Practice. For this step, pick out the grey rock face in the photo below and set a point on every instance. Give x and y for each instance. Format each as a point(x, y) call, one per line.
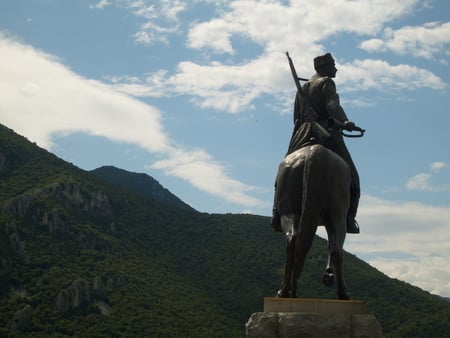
point(22, 318)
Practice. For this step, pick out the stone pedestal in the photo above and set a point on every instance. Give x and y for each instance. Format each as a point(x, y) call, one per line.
point(285, 317)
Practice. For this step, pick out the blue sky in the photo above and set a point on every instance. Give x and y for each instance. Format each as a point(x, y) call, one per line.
point(198, 94)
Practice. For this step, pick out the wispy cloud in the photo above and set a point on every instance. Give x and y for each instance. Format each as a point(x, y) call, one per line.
point(160, 19)
point(153, 86)
point(422, 181)
point(379, 74)
point(52, 99)
point(438, 166)
point(191, 166)
point(101, 4)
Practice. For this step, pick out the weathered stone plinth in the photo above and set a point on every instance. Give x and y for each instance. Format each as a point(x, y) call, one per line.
point(312, 318)
point(306, 305)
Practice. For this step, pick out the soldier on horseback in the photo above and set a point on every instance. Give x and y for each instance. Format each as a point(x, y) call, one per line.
point(317, 109)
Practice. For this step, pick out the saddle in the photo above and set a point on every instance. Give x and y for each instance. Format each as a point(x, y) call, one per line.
point(308, 133)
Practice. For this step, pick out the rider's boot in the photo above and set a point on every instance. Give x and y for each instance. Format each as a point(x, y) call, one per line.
point(275, 222)
point(352, 224)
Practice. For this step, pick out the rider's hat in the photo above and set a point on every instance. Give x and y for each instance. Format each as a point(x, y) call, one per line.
point(323, 60)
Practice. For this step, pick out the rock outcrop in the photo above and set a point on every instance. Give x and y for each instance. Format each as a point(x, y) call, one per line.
point(65, 193)
point(15, 243)
point(75, 296)
point(22, 318)
point(80, 294)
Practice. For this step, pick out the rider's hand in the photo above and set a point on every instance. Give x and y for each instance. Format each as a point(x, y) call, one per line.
point(348, 125)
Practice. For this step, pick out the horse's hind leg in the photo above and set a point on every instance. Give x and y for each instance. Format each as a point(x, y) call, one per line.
point(328, 276)
point(288, 222)
point(303, 242)
point(336, 247)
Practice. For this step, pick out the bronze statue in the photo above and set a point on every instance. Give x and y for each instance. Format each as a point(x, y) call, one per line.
point(317, 183)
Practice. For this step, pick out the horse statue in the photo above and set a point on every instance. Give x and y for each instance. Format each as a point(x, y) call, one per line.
point(313, 188)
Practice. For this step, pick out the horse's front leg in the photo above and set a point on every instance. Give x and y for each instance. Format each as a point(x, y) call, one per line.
point(341, 287)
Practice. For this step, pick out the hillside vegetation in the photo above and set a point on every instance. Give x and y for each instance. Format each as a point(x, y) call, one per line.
point(113, 254)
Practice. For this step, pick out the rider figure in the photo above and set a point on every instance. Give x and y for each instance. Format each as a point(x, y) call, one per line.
point(312, 111)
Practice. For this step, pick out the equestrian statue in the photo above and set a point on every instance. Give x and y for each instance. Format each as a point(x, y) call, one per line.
point(317, 182)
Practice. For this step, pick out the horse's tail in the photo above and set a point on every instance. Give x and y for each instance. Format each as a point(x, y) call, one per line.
point(309, 214)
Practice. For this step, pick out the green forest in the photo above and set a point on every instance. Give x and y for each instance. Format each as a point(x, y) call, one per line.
point(110, 253)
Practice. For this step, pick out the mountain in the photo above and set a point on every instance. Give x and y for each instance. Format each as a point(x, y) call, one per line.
point(140, 183)
point(95, 255)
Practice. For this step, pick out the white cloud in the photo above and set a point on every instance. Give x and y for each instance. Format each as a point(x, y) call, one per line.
point(154, 85)
point(380, 75)
point(210, 178)
point(101, 4)
point(152, 32)
point(233, 88)
point(428, 272)
point(424, 41)
point(160, 19)
point(218, 86)
point(437, 166)
point(213, 34)
point(171, 8)
point(422, 181)
point(52, 100)
point(272, 24)
point(227, 88)
point(405, 240)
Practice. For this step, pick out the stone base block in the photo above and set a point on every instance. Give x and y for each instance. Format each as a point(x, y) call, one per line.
point(312, 325)
point(307, 305)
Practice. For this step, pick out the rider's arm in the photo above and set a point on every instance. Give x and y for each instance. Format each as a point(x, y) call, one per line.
point(332, 103)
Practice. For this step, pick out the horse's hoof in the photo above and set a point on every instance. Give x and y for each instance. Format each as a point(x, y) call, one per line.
point(328, 278)
point(343, 296)
point(286, 294)
point(282, 294)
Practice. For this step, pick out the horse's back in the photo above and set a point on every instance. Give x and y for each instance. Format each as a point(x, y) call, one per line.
point(327, 166)
point(330, 179)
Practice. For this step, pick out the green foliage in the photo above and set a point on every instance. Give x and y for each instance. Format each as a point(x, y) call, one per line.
point(139, 183)
point(154, 269)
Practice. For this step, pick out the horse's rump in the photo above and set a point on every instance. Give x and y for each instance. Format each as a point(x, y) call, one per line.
point(314, 176)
